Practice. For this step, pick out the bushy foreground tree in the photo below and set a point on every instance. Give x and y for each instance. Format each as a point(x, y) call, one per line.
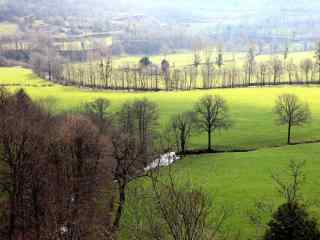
point(292, 222)
point(291, 111)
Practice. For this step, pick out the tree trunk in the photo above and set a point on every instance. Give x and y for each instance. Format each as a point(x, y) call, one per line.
point(12, 220)
point(122, 199)
point(183, 143)
point(289, 134)
point(209, 140)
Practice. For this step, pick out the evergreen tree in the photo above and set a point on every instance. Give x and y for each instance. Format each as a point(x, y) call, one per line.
point(292, 222)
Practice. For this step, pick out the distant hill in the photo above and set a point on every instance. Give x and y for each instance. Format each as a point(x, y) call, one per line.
point(45, 8)
point(227, 4)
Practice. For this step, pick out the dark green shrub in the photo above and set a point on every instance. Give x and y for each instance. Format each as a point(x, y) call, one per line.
point(292, 222)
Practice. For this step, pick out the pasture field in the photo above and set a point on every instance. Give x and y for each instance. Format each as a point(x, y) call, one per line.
point(178, 59)
point(238, 180)
point(7, 29)
point(19, 76)
point(251, 109)
point(186, 58)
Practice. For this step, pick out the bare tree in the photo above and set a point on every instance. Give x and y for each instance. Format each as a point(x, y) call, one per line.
point(178, 211)
point(45, 59)
point(291, 68)
point(291, 111)
point(80, 153)
point(182, 125)
point(21, 138)
point(54, 173)
point(291, 190)
point(133, 146)
point(220, 59)
point(307, 66)
point(165, 68)
point(197, 46)
point(286, 52)
point(213, 115)
point(277, 69)
point(250, 65)
point(98, 111)
point(317, 56)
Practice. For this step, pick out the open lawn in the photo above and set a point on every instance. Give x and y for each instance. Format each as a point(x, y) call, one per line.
point(238, 180)
point(250, 108)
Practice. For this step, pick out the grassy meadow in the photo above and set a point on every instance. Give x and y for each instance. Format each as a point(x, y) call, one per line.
point(180, 59)
point(250, 108)
point(235, 180)
point(7, 29)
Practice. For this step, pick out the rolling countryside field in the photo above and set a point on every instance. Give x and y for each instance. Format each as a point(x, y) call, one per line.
point(234, 180)
point(237, 181)
point(159, 120)
point(250, 108)
point(180, 59)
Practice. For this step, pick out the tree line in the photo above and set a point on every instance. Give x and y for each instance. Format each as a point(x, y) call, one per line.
point(211, 114)
point(208, 69)
point(202, 73)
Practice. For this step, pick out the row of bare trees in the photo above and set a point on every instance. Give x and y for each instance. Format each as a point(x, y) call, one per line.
point(202, 75)
point(204, 72)
point(211, 114)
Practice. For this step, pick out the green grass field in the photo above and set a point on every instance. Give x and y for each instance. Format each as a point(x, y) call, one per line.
point(179, 59)
point(18, 75)
point(186, 58)
point(236, 180)
point(250, 108)
point(7, 29)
